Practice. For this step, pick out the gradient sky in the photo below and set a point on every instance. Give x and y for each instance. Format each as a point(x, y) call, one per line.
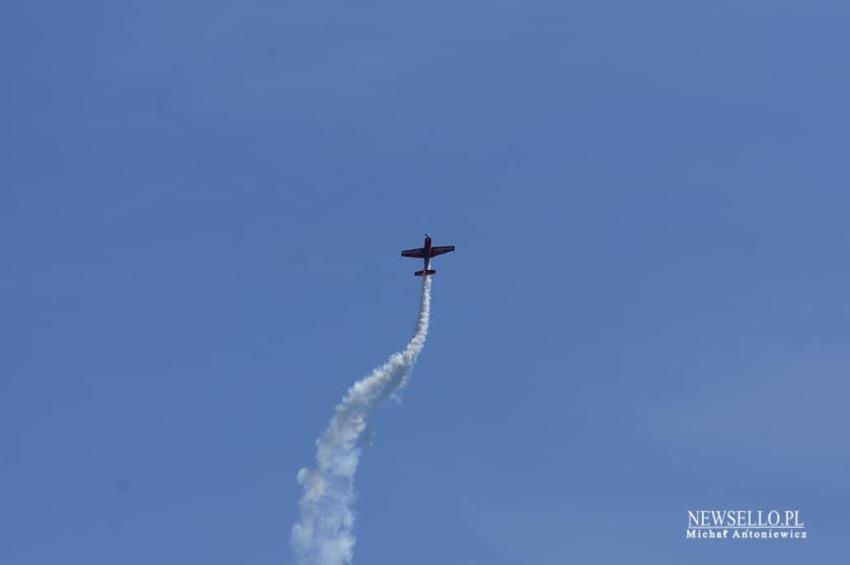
point(201, 209)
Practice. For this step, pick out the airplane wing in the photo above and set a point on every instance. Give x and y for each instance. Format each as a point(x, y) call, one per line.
point(442, 249)
point(420, 252)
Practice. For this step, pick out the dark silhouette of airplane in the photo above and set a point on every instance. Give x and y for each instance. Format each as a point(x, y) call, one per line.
point(425, 253)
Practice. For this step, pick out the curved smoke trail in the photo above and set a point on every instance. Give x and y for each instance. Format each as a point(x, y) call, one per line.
point(323, 534)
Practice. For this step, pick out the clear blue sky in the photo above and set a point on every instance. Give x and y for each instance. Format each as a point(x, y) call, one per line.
point(201, 209)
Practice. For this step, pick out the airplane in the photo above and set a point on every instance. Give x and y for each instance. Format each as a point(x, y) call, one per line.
point(425, 253)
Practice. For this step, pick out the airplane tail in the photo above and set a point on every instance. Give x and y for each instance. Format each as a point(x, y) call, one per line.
point(425, 273)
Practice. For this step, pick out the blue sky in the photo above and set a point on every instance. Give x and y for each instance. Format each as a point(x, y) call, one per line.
point(201, 210)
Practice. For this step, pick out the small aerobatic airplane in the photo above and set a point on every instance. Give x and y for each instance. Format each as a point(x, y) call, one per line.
point(425, 253)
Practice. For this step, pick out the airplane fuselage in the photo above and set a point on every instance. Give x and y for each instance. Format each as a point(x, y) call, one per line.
point(427, 258)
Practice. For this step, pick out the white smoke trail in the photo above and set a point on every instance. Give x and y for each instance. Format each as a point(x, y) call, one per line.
point(323, 534)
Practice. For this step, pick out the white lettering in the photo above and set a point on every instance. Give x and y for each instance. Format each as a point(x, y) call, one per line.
point(773, 518)
point(692, 519)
